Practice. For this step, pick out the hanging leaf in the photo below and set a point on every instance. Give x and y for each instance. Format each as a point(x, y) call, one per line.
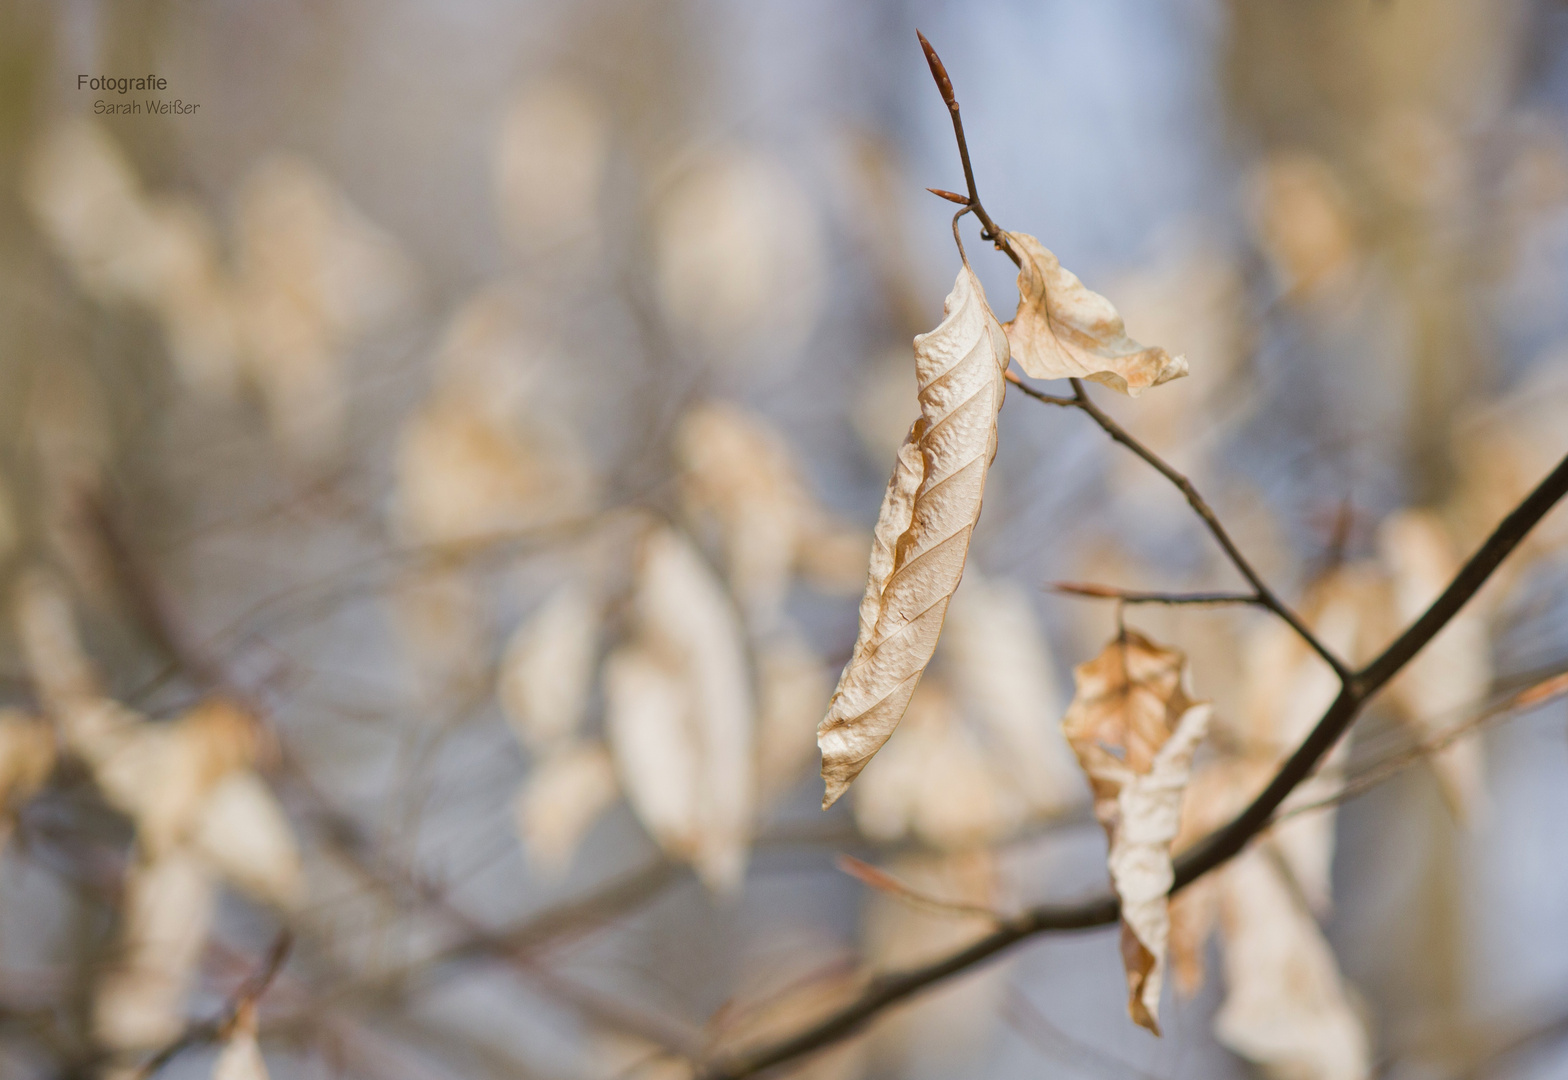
point(680, 714)
point(1063, 330)
point(923, 531)
point(1135, 729)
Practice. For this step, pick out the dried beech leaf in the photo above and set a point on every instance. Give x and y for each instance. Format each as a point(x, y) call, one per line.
point(1135, 729)
point(240, 1059)
point(464, 476)
point(922, 532)
point(243, 834)
point(737, 471)
point(1286, 1006)
point(139, 1000)
point(1063, 330)
point(561, 799)
point(680, 715)
point(547, 668)
point(1453, 673)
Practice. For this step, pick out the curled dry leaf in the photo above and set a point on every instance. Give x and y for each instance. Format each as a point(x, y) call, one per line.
point(1135, 729)
point(1063, 330)
point(1286, 1006)
point(562, 798)
point(140, 997)
point(922, 533)
point(1454, 672)
point(547, 668)
point(680, 715)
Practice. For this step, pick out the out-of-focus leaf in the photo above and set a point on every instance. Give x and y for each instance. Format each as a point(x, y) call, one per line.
point(937, 781)
point(547, 668)
point(738, 473)
point(561, 799)
point(1286, 1007)
point(1303, 219)
point(1454, 672)
point(243, 834)
point(1001, 668)
point(240, 1059)
point(1286, 688)
point(464, 476)
point(1135, 728)
point(941, 1034)
point(922, 532)
point(139, 1000)
point(680, 714)
point(738, 256)
point(1063, 330)
point(792, 684)
point(550, 166)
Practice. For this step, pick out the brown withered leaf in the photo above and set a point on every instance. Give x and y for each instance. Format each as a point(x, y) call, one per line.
point(1063, 330)
point(923, 530)
point(1135, 728)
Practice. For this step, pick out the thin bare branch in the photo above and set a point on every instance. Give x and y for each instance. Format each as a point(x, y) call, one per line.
point(1266, 595)
point(884, 882)
point(1092, 591)
point(989, 229)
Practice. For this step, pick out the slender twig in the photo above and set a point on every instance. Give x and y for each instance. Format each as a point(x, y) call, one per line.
point(989, 229)
point(1538, 694)
point(1214, 850)
point(243, 999)
point(1266, 595)
point(1093, 591)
